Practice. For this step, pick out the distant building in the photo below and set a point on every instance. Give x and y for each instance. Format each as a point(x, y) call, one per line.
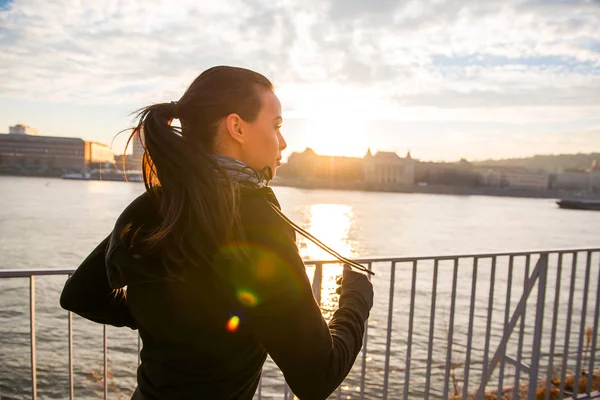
point(571, 180)
point(517, 178)
point(41, 152)
point(98, 155)
point(461, 173)
point(578, 180)
point(594, 177)
point(22, 151)
point(21, 129)
point(120, 159)
point(389, 169)
point(310, 165)
point(135, 161)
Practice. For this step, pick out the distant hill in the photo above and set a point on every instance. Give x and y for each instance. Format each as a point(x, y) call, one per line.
point(552, 163)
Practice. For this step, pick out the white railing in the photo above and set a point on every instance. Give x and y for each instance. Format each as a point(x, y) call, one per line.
point(562, 329)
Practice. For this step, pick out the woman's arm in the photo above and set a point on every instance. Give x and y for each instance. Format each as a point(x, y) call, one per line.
point(88, 293)
point(314, 357)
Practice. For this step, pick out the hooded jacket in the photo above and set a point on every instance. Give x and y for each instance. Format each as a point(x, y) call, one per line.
point(202, 340)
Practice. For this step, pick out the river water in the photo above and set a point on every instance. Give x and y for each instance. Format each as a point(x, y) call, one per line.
point(54, 223)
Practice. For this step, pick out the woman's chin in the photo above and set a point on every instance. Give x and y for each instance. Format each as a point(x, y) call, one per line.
point(274, 170)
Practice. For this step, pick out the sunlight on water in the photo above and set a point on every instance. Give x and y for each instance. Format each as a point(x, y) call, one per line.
point(34, 211)
point(330, 223)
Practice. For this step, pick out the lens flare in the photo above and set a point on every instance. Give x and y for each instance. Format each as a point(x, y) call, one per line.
point(233, 323)
point(247, 298)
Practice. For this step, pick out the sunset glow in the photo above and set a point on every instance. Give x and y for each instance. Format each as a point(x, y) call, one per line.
point(509, 79)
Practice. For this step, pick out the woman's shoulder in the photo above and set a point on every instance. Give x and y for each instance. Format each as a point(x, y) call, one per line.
point(257, 212)
point(258, 201)
point(142, 209)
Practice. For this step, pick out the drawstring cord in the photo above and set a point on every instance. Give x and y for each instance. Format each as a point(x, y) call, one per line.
point(320, 244)
point(265, 175)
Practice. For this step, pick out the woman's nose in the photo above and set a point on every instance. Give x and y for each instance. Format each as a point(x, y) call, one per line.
point(282, 143)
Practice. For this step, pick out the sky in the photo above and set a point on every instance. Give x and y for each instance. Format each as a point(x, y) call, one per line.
point(443, 79)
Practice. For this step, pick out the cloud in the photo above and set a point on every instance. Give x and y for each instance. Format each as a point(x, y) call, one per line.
point(514, 61)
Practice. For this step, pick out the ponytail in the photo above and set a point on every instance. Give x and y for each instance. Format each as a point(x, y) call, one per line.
point(197, 202)
point(182, 179)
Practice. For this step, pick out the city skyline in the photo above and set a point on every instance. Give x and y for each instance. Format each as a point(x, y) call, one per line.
point(288, 153)
point(445, 80)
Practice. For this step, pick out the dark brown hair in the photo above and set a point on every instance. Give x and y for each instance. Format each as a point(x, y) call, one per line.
point(198, 208)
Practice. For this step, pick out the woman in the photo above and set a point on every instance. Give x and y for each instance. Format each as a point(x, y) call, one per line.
point(213, 278)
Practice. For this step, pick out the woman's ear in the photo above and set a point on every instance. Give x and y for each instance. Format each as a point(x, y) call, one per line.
point(233, 124)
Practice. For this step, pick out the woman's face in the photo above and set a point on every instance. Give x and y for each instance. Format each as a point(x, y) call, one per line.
point(263, 142)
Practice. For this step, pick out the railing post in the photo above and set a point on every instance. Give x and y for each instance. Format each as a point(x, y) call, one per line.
point(450, 331)
point(519, 364)
point(32, 337)
point(431, 328)
point(565, 352)
point(105, 362)
point(389, 332)
point(539, 321)
point(586, 285)
point(71, 381)
point(489, 317)
point(592, 354)
point(467, 369)
point(317, 282)
point(550, 369)
point(506, 320)
point(411, 316)
point(363, 371)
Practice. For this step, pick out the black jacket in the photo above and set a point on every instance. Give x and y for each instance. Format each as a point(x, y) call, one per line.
point(197, 342)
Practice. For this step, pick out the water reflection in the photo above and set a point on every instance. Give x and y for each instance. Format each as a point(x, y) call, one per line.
point(330, 223)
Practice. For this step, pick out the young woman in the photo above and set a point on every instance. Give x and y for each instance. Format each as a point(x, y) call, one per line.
point(204, 264)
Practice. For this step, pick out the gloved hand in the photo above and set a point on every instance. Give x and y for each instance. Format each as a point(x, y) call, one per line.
point(355, 284)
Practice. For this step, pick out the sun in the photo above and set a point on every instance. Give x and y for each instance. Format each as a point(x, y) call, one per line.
point(336, 137)
point(335, 118)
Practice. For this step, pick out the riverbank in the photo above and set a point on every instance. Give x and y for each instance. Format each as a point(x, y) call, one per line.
point(111, 175)
point(365, 187)
point(431, 189)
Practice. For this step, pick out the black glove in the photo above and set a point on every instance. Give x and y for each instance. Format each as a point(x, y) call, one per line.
point(355, 285)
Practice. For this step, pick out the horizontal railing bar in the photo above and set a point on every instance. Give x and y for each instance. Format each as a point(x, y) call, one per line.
point(453, 256)
point(26, 273)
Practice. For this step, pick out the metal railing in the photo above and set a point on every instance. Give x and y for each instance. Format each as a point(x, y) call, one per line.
point(507, 335)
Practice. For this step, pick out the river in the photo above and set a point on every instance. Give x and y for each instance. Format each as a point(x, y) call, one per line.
point(54, 223)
